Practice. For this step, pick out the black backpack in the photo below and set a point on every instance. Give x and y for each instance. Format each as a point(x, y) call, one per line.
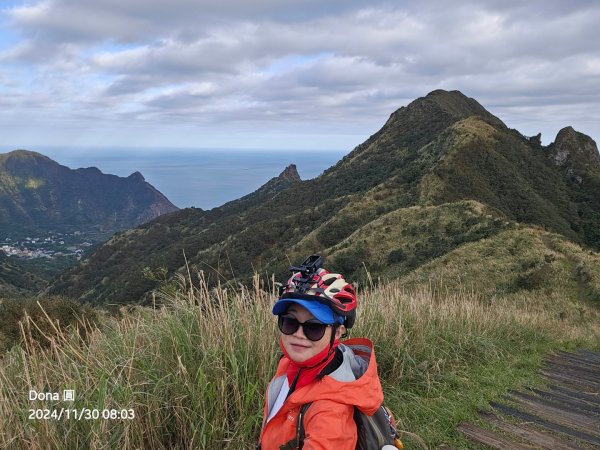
point(373, 432)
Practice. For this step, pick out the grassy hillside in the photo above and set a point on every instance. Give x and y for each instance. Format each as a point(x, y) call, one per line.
point(441, 149)
point(505, 172)
point(235, 230)
point(16, 280)
point(193, 372)
point(518, 264)
point(391, 243)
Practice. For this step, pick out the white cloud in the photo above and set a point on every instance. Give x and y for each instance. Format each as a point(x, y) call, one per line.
point(276, 67)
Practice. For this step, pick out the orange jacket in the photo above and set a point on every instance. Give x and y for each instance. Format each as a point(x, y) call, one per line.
point(329, 422)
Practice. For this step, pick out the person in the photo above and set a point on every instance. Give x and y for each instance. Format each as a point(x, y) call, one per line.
point(314, 310)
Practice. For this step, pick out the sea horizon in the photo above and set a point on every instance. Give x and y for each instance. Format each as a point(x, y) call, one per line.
point(202, 178)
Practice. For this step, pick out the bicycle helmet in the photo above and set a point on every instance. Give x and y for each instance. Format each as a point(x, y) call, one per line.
point(317, 284)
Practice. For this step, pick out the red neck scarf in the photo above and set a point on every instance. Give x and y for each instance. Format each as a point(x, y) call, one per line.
point(307, 371)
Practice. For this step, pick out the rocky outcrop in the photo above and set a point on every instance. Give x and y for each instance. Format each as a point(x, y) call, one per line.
point(575, 151)
point(290, 173)
point(571, 146)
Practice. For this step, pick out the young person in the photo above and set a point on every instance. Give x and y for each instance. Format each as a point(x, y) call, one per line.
point(314, 310)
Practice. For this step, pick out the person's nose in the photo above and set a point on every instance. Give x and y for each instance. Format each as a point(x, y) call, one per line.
point(300, 332)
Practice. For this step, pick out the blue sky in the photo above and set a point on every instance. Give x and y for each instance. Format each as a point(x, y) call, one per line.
point(284, 74)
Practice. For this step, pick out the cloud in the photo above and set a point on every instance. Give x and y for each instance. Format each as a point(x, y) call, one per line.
point(139, 20)
point(340, 65)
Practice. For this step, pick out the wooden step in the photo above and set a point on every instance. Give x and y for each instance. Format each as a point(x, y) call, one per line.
point(483, 436)
point(578, 362)
point(593, 398)
point(547, 424)
point(572, 382)
point(573, 402)
point(576, 372)
point(528, 433)
point(564, 415)
point(588, 354)
point(589, 425)
point(563, 405)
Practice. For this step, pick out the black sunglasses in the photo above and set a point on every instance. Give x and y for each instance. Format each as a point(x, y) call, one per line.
point(312, 330)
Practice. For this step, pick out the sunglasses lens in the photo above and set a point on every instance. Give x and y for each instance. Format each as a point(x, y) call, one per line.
point(314, 331)
point(287, 325)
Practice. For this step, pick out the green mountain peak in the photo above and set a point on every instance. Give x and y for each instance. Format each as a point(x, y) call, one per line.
point(440, 173)
point(38, 195)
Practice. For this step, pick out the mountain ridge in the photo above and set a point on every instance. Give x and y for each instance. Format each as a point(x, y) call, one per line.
point(444, 148)
point(39, 194)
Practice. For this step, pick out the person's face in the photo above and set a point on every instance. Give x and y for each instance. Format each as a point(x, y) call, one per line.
point(297, 345)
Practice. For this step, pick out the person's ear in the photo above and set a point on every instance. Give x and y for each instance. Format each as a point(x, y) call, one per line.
point(340, 331)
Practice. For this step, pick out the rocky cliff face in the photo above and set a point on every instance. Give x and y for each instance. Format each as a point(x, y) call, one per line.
point(290, 173)
point(571, 145)
point(576, 152)
point(284, 180)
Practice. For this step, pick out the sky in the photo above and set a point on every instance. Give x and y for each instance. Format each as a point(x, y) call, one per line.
point(277, 74)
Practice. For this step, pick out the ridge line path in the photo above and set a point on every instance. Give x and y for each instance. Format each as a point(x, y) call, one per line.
point(564, 415)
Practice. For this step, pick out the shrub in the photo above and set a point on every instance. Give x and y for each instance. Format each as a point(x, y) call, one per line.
point(396, 256)
point(338, 229)
point(531, 280)
point(63, 314)
point(347, 262)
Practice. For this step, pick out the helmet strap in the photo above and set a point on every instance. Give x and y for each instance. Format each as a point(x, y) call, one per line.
point(345, 335)
point(332, 337)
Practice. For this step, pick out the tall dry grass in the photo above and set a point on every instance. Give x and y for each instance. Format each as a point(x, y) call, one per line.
point(194, 371)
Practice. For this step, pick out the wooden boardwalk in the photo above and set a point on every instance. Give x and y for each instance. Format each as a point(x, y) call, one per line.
point(565, 415)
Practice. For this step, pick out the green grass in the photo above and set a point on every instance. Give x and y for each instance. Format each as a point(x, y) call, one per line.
point(444, 356)
point(195, 371)
point(435, 412)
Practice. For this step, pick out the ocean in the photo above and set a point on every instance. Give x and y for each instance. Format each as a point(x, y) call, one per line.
point(201, 178)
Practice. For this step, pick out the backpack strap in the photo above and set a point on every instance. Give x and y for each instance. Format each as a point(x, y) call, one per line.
point(300, 434)
point(298, 442)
